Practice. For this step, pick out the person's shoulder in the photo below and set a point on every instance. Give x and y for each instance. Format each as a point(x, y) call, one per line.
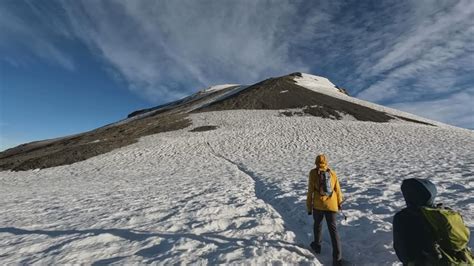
point(406, 213)
point(400, 216)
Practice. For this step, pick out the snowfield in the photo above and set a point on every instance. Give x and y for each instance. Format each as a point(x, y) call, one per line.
point(317, 84)
point(231, 195)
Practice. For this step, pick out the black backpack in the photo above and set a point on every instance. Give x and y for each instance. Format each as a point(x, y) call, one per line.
point(325, 188)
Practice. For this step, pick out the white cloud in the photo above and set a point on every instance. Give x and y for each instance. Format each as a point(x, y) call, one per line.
point(16, 33)
point(390, 51)
point(163, 47)
point(428, 57)
point(457, 109)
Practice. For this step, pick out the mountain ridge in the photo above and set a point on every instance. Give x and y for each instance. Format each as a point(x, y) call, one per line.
point(296, 94)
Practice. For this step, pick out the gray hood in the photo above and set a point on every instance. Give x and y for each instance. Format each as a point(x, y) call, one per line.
point(418, 192)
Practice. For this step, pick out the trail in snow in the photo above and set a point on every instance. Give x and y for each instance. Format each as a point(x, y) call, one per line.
point(270, 194)
point(371, 160)
point(169, 198)
point(164, 201)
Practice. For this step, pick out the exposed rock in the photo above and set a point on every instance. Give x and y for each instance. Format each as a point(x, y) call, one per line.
point(267, 95)
point(68, 150)
point(203, 128)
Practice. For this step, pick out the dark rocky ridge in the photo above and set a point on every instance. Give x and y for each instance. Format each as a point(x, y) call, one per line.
point(68, 150)
point(267, 95)
point(173, 116)
point(181, 104)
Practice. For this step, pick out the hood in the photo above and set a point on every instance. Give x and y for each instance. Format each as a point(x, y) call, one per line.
point(321, 162)
point(418, 192)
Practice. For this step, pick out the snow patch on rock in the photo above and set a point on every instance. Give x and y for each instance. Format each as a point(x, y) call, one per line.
point(219, 87)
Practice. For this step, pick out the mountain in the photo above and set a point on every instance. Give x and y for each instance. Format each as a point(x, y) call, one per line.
point(296, 94)
point(221, 177)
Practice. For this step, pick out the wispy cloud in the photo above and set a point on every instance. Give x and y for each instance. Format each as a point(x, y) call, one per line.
point(402, 53)
point(20, 32)
point(168, 48)
point(391, 52)
point(455, 109)
point(433, 55)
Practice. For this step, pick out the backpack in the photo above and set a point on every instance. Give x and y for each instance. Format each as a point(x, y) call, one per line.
point(325, 188)
point(451, 236)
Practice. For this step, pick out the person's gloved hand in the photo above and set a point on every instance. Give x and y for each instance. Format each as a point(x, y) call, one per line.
point(310, 213)
point(340, 207)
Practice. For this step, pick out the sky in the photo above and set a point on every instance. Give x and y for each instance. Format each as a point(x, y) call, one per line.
point(74, 65)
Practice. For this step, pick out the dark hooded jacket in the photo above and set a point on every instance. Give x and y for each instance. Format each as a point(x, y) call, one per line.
point(412, 237)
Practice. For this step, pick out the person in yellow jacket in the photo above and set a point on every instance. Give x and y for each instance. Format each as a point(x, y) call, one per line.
point(324, 200)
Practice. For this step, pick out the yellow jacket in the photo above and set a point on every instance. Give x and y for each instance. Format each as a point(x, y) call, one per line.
point(314, 199)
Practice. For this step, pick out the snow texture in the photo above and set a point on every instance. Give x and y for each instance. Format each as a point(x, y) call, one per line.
point(220, 87)
point(316, 83)
point(231, 195)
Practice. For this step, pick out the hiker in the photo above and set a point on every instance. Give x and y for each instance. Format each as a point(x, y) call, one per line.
point(424, 234)
point(411, 238)
point(324, 200)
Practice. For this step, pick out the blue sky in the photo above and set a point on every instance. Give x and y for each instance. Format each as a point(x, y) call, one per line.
point(70, 66)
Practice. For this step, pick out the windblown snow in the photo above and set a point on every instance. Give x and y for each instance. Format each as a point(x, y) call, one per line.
point(219, 87)
point(316, 83)
point(231, 195)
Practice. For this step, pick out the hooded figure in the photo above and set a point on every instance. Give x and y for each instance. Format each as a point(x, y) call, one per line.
point(418, 192)
point(321, 205)
point(315, 199)
point(412, 238)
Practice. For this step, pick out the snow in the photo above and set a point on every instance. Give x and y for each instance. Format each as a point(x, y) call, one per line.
point(219, 87)
point(311, 82)
point(316, 83)
point(201, 94)
point(323, 85)
point(231, 195)
point(219, 97)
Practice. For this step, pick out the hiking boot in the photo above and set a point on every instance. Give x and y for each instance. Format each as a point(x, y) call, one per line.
point(341, 262)
point(315, 247)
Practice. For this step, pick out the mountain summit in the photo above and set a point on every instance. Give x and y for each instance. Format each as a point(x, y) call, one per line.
point(296, 94)
point(221, 177)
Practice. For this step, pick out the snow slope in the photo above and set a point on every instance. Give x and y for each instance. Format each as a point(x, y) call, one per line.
point(316, 83)
point(232, 195)
point(323, 85)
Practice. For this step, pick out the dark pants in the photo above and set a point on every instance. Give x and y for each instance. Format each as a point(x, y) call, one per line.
point(318, 227)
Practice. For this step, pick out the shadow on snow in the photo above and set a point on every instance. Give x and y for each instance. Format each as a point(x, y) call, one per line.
point(157, 252)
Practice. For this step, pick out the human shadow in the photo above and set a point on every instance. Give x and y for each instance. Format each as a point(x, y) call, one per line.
point(271, 194)
point(287, 206)
point(161, 251)
point(122, 233)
